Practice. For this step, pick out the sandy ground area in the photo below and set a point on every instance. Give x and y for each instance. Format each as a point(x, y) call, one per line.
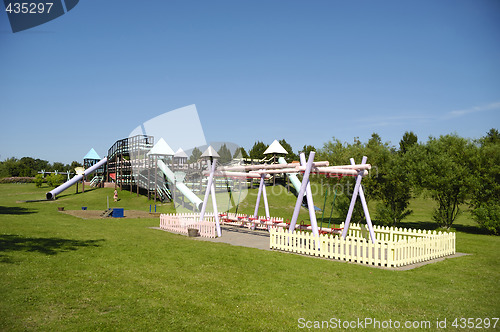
point(97, 214)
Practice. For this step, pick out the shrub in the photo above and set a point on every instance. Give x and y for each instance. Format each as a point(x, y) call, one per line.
point(38, 180)
point(488, 217)
point(17, 179)
point(54, 180)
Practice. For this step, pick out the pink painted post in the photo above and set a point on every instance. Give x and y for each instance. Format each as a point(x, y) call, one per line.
point(310, 202)
point(365, 208)
point(353, 201)
point(305, 181)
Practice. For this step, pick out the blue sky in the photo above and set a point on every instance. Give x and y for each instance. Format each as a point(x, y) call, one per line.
point(305, 71)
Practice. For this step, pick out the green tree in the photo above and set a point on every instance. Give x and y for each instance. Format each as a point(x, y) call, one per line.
point(9, 167)
point(334, 151)
point(485, 200)
point(307, 150)
point(73, 165)
point(257, 151)
point(225, 154)
point(291, 156)
point(240, 153)
point(394, 190)
point(338, 153)
point(27, 167)
point(492, 137)
point(409, 139)
point(57, 166)
point(195, 155)
point(443, 168)
point(378, 155)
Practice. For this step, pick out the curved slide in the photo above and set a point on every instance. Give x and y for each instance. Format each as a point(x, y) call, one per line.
point(180, 185)
point(293, 177)
point(52, 194)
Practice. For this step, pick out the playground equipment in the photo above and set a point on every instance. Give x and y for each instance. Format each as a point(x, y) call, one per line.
point(359, 171)
point(311, 167)
point(264, 171)
point(52, 194)
point(180, 185)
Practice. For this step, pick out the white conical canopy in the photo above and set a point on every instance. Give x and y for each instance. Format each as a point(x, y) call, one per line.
point(210, 152)
point(161, 149)
point(180, 154)
point(275, 148)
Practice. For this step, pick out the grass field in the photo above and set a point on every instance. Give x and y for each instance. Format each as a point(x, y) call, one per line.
point(62, 273)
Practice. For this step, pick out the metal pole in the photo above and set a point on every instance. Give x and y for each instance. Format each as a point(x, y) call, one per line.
point(365, 207)
point(302, 190)
point(211, 166)
point(310, 202)
point(156, 173)
point(324, 206)
point(353, 201)
point(266, 205)
point(216, 212)
point(239, 196)
point(256, 212)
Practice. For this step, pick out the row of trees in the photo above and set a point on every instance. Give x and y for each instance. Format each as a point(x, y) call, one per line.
point(451, 170)
point(29, 167)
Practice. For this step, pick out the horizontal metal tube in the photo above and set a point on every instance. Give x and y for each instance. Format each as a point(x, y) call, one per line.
point(53, 193)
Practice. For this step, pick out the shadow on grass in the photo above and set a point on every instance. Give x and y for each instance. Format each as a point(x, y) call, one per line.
point(68, 193)
point(15, 210)
point(47, 246)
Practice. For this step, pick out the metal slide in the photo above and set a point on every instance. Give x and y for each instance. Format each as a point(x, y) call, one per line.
point(180, 185)
point(52, 194)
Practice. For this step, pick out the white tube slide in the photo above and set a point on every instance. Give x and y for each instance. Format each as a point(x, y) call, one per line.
point(293, 177)
point(52, 194)
point(180, 185)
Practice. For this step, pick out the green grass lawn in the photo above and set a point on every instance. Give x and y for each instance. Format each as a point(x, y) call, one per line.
point(60, 272)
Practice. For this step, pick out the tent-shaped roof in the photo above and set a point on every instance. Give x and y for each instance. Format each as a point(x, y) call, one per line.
point(210, 152)
point(180, 154)
point(275, 148)
point(161, 149)
point(92, 155)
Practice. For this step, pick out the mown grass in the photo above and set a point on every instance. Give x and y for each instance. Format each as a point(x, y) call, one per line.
point(60, 272)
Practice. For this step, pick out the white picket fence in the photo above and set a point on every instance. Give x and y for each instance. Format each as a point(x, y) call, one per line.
point(261, 222)
point(394, 246)
point(181, 222)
